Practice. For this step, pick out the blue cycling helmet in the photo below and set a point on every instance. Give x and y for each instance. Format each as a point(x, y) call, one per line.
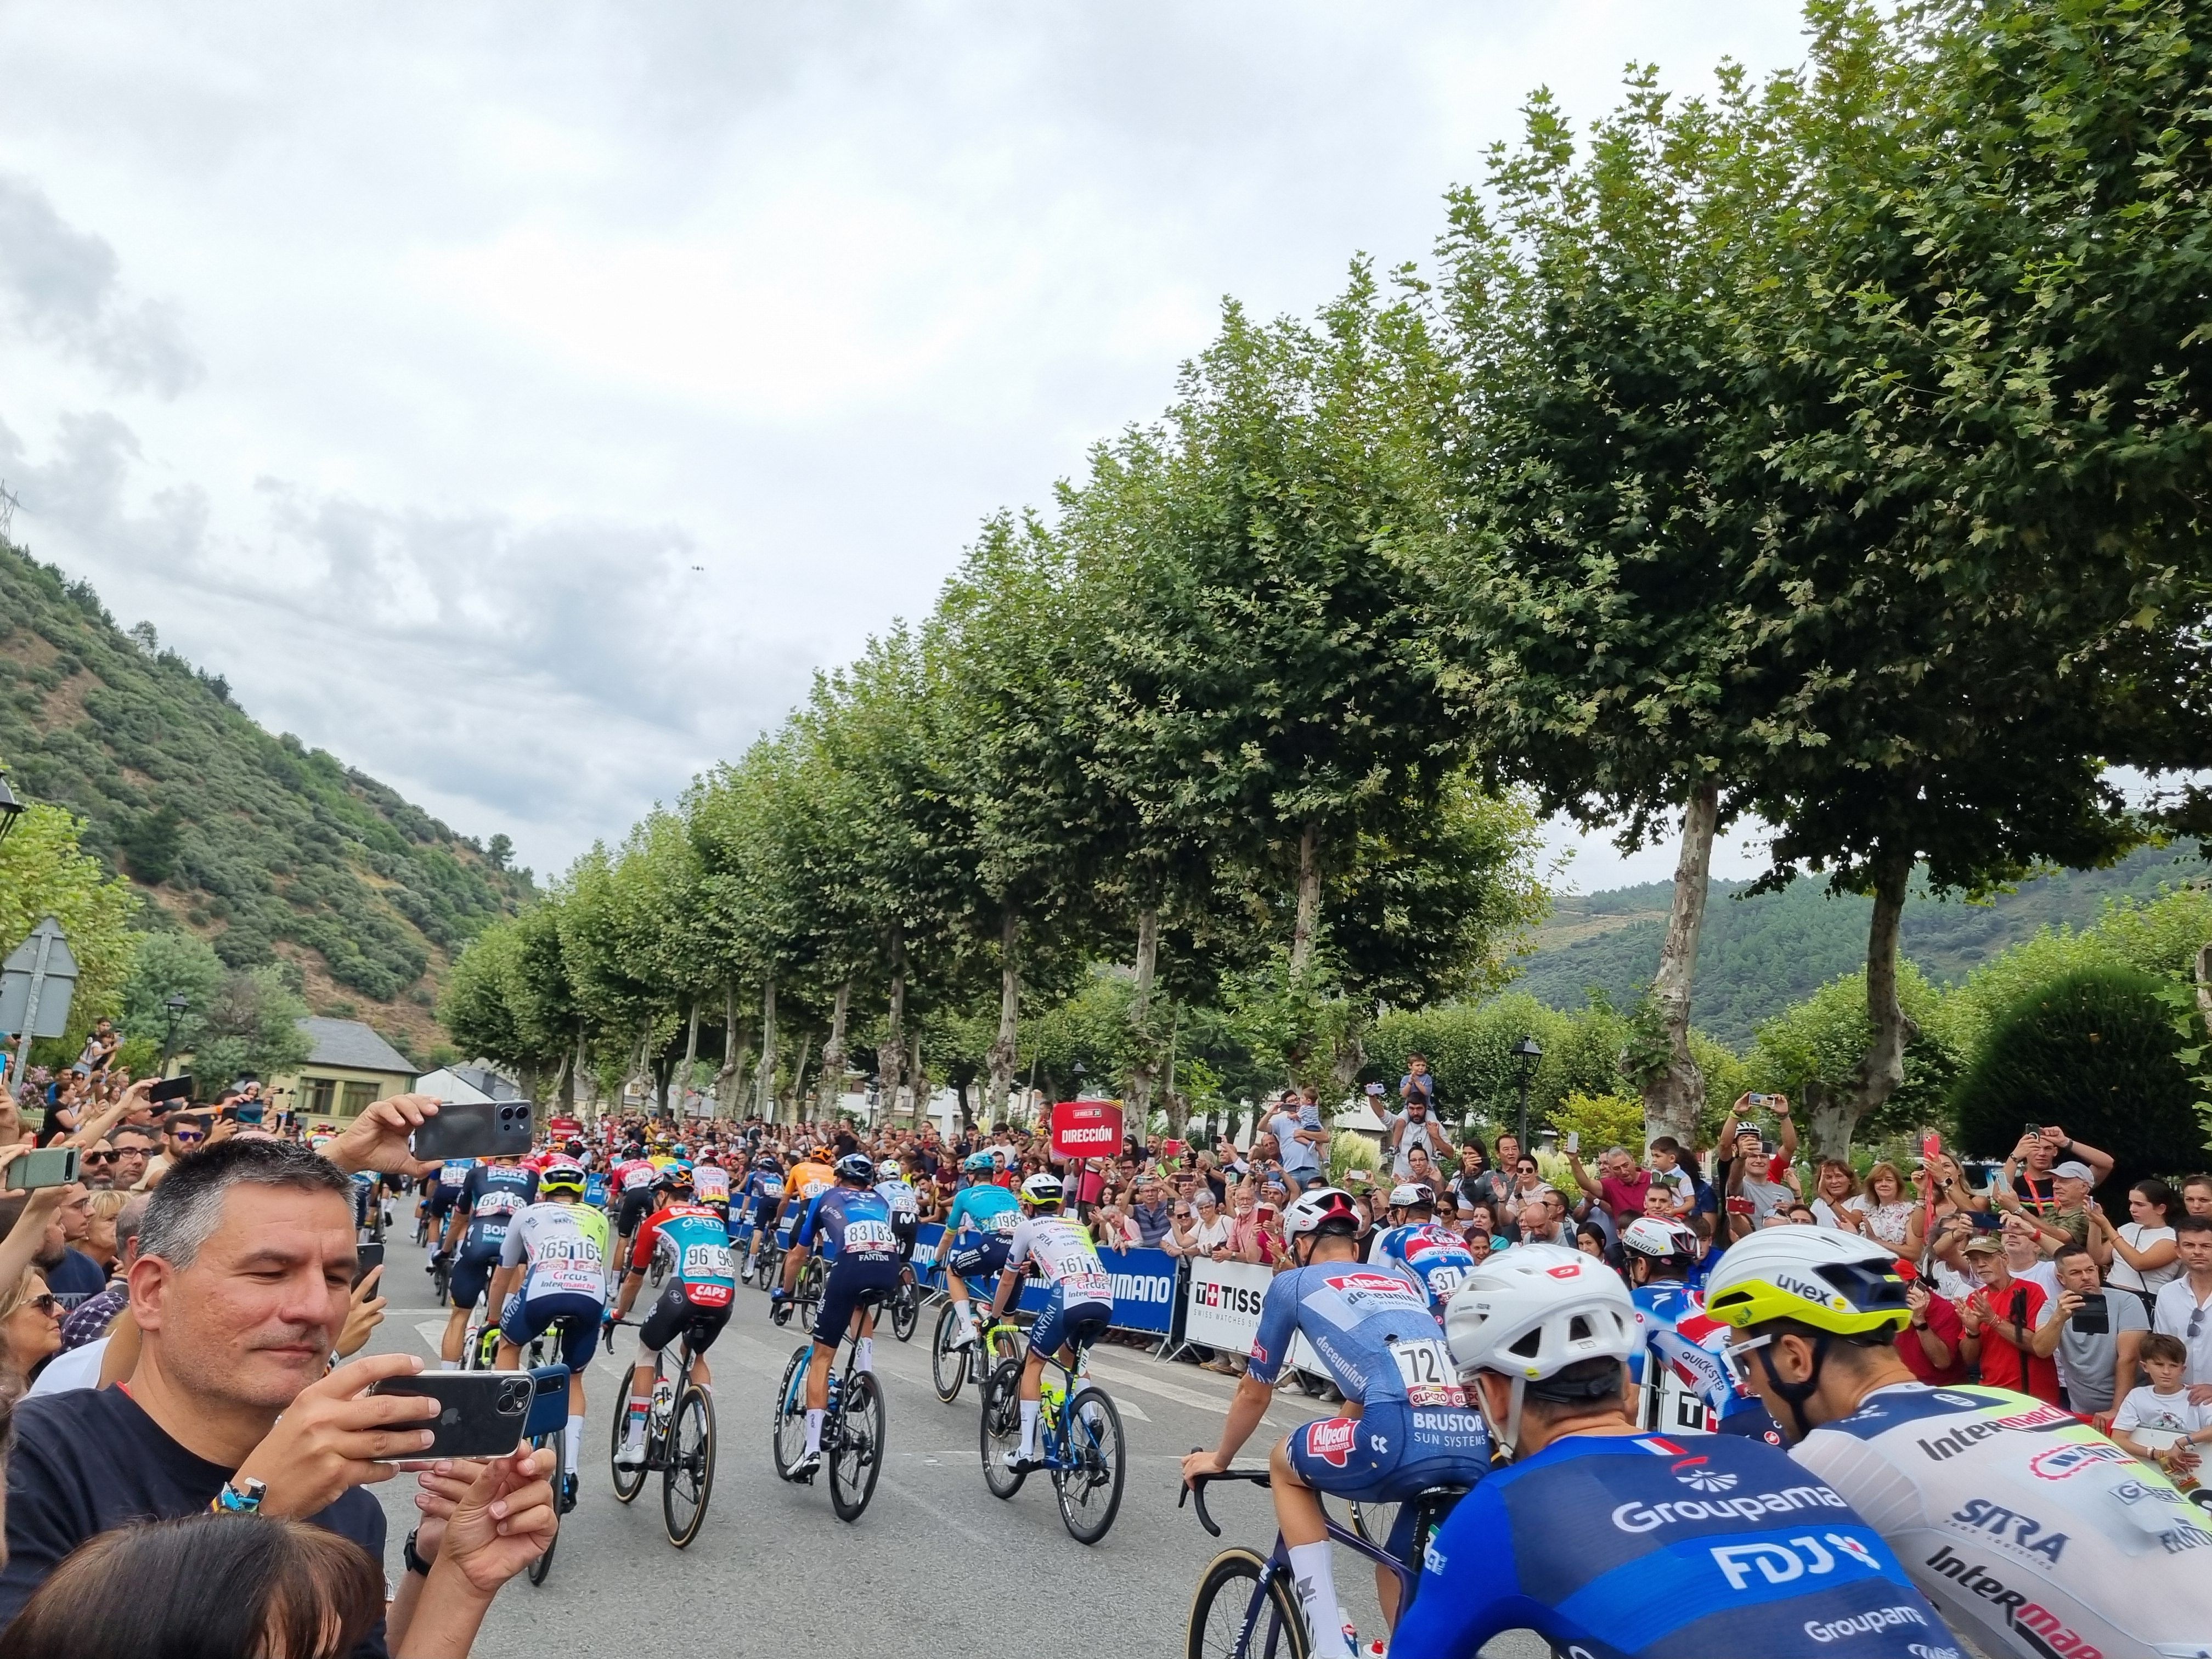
point(980, 1163)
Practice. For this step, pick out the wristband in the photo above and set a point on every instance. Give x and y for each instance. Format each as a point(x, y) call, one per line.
point(414, 1561)
point(237, 1497)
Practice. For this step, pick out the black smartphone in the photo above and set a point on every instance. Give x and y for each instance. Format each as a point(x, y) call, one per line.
point(2092, 1318)
point(490, 1128)
point(480, 1413)
point(169, 1088)
point(367, 1258)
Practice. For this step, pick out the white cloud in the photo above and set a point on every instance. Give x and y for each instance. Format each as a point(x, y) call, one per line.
point(399, 363)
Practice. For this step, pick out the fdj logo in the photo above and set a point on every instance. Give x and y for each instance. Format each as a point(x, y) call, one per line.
point(1698, 1475)
point(1778, 1563)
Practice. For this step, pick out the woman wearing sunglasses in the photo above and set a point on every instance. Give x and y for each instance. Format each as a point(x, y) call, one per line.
point(30, 1323)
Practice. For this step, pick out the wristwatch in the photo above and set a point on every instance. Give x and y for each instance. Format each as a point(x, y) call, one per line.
point(414, 1561)
point(239, 1496)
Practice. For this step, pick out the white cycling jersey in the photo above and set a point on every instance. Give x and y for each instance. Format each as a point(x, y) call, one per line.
point(899, 1199)
point(2033, 1534)
point(565, 1259)
point(1066, 1254)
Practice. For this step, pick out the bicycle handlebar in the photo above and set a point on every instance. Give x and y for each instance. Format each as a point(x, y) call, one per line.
point(1195, 1488)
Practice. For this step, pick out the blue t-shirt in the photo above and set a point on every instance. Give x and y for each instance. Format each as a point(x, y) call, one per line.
point(493, 1195)
point(1431, 1257)
point(1371, 1328)
point(983, 1208)
point(1615, 1548)
point(848, 1221)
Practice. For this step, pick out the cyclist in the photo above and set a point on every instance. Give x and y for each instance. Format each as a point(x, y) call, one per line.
point(898, 1196)
point(1082, 1302)
point(492, 1195)
point(810, 1178)
point(633, 1181)
point(763, 1196)
point(553, 1265)
point(1429, 1258)
point(710, 1182)
point(1405, 1426)
point(1609, 1542)
point(696, 1297)
point(978, 1229)
point(851, 1227)
point(2033, 1533)
point(444, 1191)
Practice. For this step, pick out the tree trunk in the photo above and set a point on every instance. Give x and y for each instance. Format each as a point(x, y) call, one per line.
point(833, 1051)
point(891, 1059)
point(799, 1077)
point(1833, 1113)
point(917, 1084)
point(765, 1088)
point(2204, 987)
point(1001, 1059)
point(1309, 913)
point(682, 1087)
point(562, 1081)
point(1138, 1083)
point(1673, 1098)
point(1178, 1108)
point(584, 1080)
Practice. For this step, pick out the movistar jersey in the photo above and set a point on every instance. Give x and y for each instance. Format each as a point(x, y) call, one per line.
point(848, 1221)
point(2036, 1535)
point(1432, 1259)
point(1610, 1547)
point(1372, 1329)
point(983, 1208)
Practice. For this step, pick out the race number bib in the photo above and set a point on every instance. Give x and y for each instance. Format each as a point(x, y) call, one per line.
point(706, 1261)
point(710, 1185)
point(1426, 1367)
point(771, 1188)
point(1002, 1224)
point(870, 1236)
point(1443, 1281)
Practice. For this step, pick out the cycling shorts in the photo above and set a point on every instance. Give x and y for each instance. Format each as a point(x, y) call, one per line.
point(635, 1206)
point(674, 1313)
point(471, 1276)
point(906, 1229)
point(442, 1199)
point(852, 1276)
point(763, 1212)
point(522, 1320)
point(1063, 1322)
point(1390, 1452)
point(984, 1260)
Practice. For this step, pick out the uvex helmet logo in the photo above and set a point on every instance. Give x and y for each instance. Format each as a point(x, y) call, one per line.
point(1331, 1440)
point(1810, 1290)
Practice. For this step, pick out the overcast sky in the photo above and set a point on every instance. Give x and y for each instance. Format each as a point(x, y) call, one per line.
point(521, 402)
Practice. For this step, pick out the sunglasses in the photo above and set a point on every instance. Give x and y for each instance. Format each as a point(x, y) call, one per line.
point(2195, 1323)
point(95, 1158)
point(46, 1303)
point(186, 1137)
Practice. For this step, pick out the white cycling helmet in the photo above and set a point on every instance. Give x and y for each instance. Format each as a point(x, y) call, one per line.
point(888, 1170)
point(1318, 1204)
point(1041, 1189)
point(1530, 1312)
point(1652, 1236)
point(1408, 1195)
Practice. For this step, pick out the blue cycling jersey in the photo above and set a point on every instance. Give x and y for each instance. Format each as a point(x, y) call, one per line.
point(848, 1221)
point(983, 1208)
point(1372, 1329)
point(1613, 1546)
point(1659, 1307)
point(492, 1196)
point(1429, 1257)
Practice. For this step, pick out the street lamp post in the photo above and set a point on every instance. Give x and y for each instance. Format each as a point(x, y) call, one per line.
point(1530, 1051)
point(176, 1004)
point(10, 808)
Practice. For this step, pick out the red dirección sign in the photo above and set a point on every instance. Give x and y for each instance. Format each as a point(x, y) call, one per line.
point(1086, 1129)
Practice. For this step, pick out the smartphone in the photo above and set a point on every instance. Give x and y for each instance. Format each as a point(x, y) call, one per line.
point(1574, 1140)
point(490, 1128)
point(1760, 1102)
point(480, 1413)
point(249, 1113)
point(1374, 1088)
point(56, 1166)
point(2092, 1318)
point(549, 1401)
point(174, 1088)
point(367, 1258)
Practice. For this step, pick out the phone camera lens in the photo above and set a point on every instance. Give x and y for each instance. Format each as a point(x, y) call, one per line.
point(514, 1396)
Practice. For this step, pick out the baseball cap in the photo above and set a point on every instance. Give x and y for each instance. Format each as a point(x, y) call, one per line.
point(2074, 1169)
point(1985, 1244)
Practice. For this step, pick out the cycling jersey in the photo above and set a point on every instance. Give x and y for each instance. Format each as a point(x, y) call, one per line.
point(710, 1184)
point(848, 1221)
point(2035, 1535)
point(1612, 1545)
point(566, 1248)
point(1695, 1387)
point(491, 1196)
point(453, 1176)
point(1427, 1256)
point(898, 1197)
point(810, 1180)
point(697, 1246)
point(635, 1174)
point(1372, 1329)
point(1064, 1254)
point(983, 1208)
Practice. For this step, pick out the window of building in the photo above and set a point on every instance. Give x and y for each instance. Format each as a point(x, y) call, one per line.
point(359, 1097)
point(315, 1094)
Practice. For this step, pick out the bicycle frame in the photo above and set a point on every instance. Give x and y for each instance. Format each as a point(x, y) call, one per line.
point(1278, 1560)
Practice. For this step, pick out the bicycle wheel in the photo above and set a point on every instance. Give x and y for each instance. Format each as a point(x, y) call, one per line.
point(1373, 1521)
point(558, 1441)
point(948, 1365)
point(688, 1478)
point(1002, 1428)
point(628, 1482)
point(906, 1312)
point(858, 1456)
point(1090, 1488)
point(787, 1432)
point(441, 1278)
point(1225, 1603)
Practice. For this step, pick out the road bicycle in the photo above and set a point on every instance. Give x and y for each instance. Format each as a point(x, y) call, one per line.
point(806, 1294)
point(854, 1432)
point(1079, 1443)
point(679, 1438)
point(905, 1306)
point(542, 1362)
point(1246, 1607)
point(950, 1364)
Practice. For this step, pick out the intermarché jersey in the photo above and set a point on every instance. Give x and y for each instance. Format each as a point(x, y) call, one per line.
point(2036, 1535)
point(848, 1221)
point(1065, 1255)
point(492, 1196)
point(566, 1246)
point(1372, 1329)
point(697, 1246)
point(1611, 1546)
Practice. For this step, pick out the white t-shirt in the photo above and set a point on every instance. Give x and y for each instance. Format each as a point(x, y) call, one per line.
point(77, 1369)
point(2176, 1303)
point(2123, 1277)
point(2165, 1418)
point(2044, 1273)
point(1826, 1213)
point(1212, 1235)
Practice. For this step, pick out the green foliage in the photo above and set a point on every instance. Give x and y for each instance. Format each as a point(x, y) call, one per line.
point(1601, 1121)
point(250, 1025)
point(45, 872)
point(166, 965)
point(1823, 1036)
point(1349, 1150)
point(2093, 1052)
point(1469, 1048)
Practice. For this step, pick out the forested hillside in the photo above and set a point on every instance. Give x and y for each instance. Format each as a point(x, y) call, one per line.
point(268, 849)
point(1759, 953)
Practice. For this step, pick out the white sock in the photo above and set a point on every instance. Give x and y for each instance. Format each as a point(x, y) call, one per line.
point(1313, 1572)
point(449, 1364)
point(814, 1429)
point(966, 1317)
point(864, 1354)
point(633, 1429)
point(575, 1443)
point(1030, 1409)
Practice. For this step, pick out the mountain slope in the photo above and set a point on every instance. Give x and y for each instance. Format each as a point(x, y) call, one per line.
point(1758, 954)
point(265, 848)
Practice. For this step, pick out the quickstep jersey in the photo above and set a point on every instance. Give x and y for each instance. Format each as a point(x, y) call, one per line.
point(1064, 1254)
point(1431, 1258)
point(849, 1221)
point(566, 1246)
point(2036, 1535)
point(1610, 1547)
point(697, 1246)
point(1688, 1368)
point(1372, 1329)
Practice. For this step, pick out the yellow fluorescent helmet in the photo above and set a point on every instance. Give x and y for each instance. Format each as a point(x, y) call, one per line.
point(1829, 1281)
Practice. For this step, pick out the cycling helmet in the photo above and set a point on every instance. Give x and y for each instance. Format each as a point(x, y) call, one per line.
point(858, 1167)
point(889, 1169)
point(560, 1177)
point(1412, 1194)
point(1531, 1312)
point(676, 1177)
point(1649, 1235)
point(767, 1161)
point(1835, 1282)
point(1041, 1189)
point(980, 1163)
point(820, 1154)
point(1316, 1207)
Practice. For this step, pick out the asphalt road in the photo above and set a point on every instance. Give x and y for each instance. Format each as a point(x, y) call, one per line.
point(935, 1566)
